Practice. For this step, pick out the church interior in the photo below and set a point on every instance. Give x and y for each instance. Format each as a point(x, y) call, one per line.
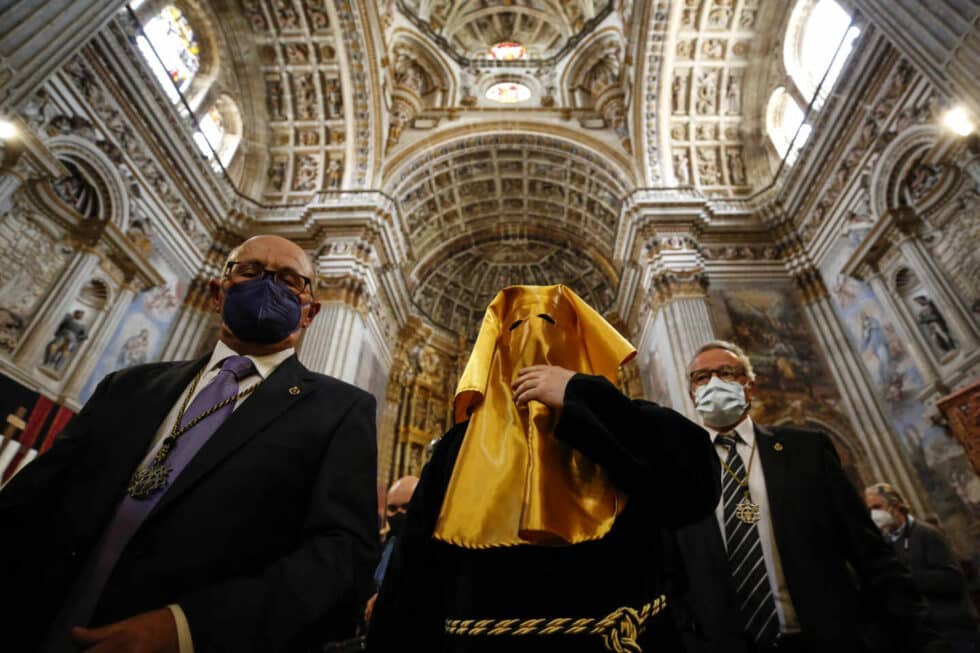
point(801, 177)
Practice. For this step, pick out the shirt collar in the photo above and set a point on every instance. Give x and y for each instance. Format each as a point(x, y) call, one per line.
point(264, 365)
point(745, 430)
point(899, 532)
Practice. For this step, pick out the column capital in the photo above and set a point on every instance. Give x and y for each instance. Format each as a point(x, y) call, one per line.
point(648, 214)
point(676, 284)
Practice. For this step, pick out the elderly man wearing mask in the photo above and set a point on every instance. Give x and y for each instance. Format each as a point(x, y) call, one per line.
point(221, 504)
point(773, 568)
point(924, 550)
point(534, 526)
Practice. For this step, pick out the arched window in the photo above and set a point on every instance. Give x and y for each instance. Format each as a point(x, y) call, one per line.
point(171, 50)
point(818, 41)
point(219, 131)
point(783, 118)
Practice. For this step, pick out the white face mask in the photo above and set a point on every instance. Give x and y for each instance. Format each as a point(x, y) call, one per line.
point(883, 520)
point(720, 403)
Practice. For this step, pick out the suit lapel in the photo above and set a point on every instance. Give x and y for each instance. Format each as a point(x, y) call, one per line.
point(277, 394)
point(775, 458)
point(141, 413)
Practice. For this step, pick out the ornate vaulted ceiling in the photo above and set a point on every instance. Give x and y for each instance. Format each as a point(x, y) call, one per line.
point(389, 95)
point(469, 28)
point(495, 210)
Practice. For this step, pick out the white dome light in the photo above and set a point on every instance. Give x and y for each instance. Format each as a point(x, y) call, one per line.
point(508, 92)
point(958, 121)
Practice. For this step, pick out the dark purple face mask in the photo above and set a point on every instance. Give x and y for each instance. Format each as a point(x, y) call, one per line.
point(261, 311)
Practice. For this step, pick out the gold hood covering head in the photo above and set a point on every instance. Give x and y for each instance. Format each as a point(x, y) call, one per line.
point(514, 482)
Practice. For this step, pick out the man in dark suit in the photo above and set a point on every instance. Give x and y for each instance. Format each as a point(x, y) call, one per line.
point(924, 550)
point(790, 561)
point(222, 504)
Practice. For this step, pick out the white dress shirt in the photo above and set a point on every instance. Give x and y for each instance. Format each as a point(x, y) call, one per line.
point(788, 622)
point(264, 366)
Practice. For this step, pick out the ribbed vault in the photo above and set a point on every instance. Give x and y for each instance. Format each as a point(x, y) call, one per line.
point(489, 211)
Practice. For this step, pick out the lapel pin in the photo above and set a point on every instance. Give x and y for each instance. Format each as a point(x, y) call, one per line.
point(294, 390)
point(778, 446)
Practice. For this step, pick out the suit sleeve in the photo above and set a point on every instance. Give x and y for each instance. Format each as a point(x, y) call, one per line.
point(883, 577)
point(408, 614)
point(645, 448)
point(939, 573)
point(330, 569)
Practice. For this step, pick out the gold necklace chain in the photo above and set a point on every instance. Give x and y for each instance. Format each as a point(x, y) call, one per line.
point(748, 470)
point(153, 477)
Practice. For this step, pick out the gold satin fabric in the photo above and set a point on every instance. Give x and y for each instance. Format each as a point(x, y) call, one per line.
point(514, 482)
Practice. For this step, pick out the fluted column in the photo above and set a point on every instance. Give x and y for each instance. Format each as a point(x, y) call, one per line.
point(332, 343)
point(663, 295)
point(37, 38)
point(192, 325)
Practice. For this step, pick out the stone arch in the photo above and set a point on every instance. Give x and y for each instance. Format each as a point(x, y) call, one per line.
point(894, 164)
point(431, 60)
point(573, 84)
point(99, 170)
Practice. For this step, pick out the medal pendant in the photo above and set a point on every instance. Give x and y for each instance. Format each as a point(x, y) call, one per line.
point(148, 480)
point(747, 512)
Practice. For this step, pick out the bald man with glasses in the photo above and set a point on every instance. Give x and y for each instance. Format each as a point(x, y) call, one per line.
point(220, 504)
point(790, 560)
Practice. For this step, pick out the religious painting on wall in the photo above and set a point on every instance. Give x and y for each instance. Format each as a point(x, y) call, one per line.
point(952, 487)
point(71, 332)
point(932, 324)
point(793, 380)
point(144, 327)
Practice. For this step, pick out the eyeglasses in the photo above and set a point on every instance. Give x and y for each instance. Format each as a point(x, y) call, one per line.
point(293, 281)
point(725, 373)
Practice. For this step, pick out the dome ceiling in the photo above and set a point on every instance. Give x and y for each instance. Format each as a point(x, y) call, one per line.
point(468, 29)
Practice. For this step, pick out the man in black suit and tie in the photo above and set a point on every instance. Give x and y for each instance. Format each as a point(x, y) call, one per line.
point(222, 504)
point(790, 561)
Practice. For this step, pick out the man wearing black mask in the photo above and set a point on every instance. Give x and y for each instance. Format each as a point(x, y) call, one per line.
point(222, 504)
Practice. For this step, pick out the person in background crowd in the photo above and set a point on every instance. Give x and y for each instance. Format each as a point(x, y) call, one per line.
point(396, 509)
point(925, 551)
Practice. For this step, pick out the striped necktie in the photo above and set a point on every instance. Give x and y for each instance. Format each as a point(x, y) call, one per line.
point(756, 605)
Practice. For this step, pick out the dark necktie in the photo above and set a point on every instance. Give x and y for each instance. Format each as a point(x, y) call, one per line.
point(131, 513)
point(745, 560)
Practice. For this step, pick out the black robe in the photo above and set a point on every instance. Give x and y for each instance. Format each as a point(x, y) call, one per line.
point(662, 460)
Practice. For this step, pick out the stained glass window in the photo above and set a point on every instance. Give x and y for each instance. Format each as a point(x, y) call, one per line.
point(508, 92)
point(508, 51)
point(176, 57)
